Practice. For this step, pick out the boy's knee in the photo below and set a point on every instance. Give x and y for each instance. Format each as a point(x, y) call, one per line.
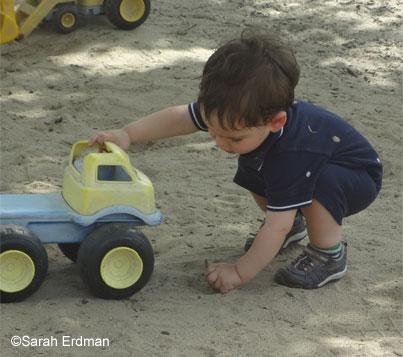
point(318, 212)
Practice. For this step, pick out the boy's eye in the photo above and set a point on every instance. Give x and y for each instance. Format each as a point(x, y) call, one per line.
point(236, 140)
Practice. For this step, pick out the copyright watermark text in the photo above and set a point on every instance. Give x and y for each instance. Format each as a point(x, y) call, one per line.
point(59, 341)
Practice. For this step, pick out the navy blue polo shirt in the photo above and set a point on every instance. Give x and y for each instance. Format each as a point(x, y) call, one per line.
point(289, 162)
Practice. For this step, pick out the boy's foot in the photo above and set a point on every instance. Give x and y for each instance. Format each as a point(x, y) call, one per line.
point(313, 269)
point(297, 233)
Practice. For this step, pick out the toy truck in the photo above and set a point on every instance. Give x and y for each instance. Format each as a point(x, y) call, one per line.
point(94, 220)
point(18, 22)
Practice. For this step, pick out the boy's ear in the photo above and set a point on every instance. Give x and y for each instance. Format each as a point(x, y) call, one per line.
point(277, 122)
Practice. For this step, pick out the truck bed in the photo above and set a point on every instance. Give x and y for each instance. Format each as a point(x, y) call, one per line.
point(42, 207)
point(51, 207)
point(54, 221)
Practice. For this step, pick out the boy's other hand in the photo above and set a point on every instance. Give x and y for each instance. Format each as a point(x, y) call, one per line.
point(223, 277)
point(119, 137)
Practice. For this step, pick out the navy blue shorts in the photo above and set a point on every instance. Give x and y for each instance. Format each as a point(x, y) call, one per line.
point(342, 191)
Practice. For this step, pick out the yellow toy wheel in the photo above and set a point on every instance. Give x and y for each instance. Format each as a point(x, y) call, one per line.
point(115, 261)
point(65, 18)
point(127, 14)
point(23, 263)
point(17, 270)
point(121, 267)
point(132, 10)
point(68, 20)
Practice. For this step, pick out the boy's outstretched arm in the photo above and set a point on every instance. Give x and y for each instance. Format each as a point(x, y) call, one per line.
point(166, 123)
point(225, 277)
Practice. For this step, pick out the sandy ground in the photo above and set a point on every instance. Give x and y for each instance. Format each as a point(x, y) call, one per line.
point(56, 89)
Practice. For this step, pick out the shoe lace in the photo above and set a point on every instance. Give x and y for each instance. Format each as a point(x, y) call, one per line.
point(303, 262)
point(307, 260)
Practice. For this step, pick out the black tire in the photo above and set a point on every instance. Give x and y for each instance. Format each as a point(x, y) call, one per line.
point(20, 239)
point(65, 18)
point(70, 250)
point(95, 247)
point(113, 11)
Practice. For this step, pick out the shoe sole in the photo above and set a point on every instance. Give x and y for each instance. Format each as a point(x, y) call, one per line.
point(336, 276)
point(294, 238)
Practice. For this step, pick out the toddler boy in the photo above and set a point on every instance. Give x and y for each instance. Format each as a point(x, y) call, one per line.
point(293, 157)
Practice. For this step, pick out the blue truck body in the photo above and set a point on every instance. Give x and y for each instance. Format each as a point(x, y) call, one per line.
point(54, 221)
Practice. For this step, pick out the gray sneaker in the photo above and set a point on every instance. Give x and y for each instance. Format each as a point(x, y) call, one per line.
point(297, 233)
point(313, 269)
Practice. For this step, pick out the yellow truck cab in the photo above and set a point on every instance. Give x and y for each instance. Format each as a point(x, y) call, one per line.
point(103, 179)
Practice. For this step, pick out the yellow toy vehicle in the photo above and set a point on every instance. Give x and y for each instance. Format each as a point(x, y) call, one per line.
point(93, 220)
point(18, 22)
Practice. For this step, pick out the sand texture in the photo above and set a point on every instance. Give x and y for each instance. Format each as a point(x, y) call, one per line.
point(57, 89)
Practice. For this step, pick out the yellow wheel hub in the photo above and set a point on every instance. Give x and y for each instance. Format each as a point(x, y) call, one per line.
point(132, 10)
point(17, 270)
point(68, 20)
point(121, 267)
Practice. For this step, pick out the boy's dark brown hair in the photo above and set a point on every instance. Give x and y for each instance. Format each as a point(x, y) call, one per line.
point(248, 80)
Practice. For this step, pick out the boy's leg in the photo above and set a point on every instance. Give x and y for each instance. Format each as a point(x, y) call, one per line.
point(323, 231)
point(325, 257)
point(339, 192)
point(297, 232)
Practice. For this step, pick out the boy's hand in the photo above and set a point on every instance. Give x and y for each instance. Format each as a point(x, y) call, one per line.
point(119, 137)
point(223, 277)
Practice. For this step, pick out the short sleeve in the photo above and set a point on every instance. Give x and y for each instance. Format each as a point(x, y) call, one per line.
point(196, 117)
point(290, 179)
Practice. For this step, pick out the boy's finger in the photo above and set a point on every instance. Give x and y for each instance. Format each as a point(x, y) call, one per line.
point(212, 277)
point(95, 140)
point(224, 290)
point(211, 268)
point(217, 284)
